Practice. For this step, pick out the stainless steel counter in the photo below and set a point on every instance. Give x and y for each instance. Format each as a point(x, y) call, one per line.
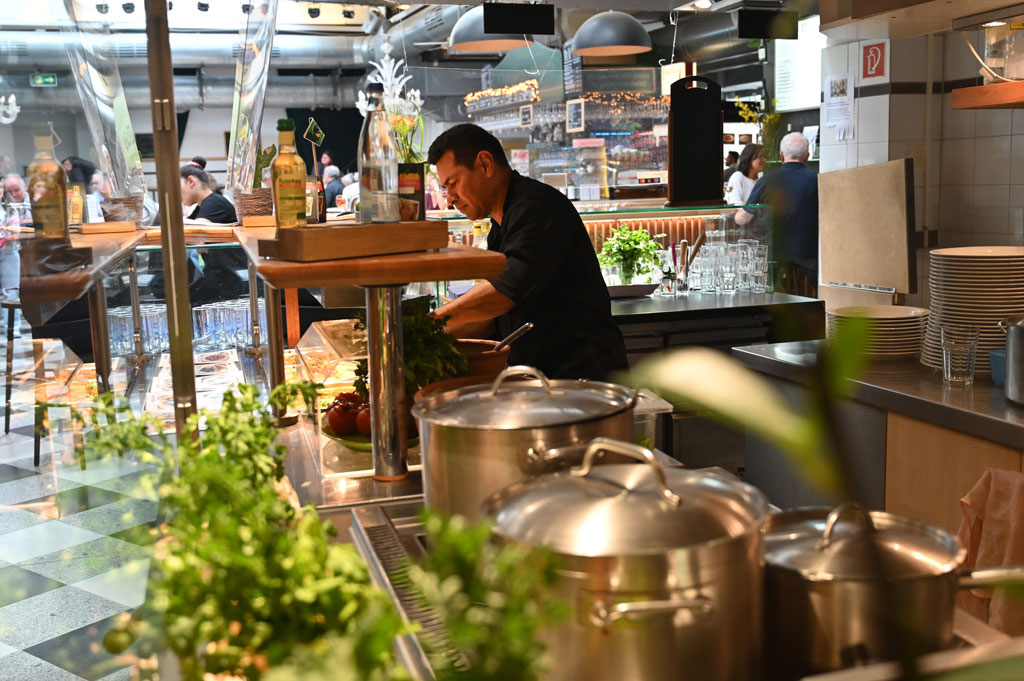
point(906, 387)
point(644, 308)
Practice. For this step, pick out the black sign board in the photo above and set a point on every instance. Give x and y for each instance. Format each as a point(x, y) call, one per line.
point(526, 116)
point(519, 18)
point(640, 81)
point(572, 72)
point(574, 115)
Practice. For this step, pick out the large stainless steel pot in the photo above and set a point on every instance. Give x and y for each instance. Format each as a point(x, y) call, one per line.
point(827, 607)
point(661, 567)
point(1014, 328)
point(480, 439)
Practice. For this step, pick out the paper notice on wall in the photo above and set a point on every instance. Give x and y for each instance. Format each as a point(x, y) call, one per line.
point(838, 107)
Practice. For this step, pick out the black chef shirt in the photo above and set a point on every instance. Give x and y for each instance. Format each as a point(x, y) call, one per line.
point(552, 275)
point(215, 208)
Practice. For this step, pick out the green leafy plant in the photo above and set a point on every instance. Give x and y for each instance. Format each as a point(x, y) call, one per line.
point(241, 577)
point(263, 160)
point(428, 351)
point(493, 599)
point(633, 251)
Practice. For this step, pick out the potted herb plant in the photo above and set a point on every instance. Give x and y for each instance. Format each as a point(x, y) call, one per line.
point(633, 251)
point(259, 201)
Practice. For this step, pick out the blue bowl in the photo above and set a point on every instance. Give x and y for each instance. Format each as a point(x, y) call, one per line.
point(997, 365)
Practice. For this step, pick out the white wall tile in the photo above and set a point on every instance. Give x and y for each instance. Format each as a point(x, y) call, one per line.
point(906, 117)
point(873, 119)
point(834, 59)
point(872, 153)
point(957, 162)
point(992, 122)
point(851, 155)
point(832, 157)
point(992, 160)
point(828, 134)
point(959, 62)
point(908, 59)
point(1017, 160)
point(991, 209)
point(956, 124)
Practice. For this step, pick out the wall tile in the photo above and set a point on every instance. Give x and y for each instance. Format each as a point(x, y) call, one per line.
point(871, 153)
point(959, 62)
point(908, 59)
point(955, 208)
point(851, 155)
point(919, 208)
point(832, 157)
point(1017, 160)
point(952, 239)
point(873, 119)
point(1015, 240)
point(1016, 217)
point(956, 123)
point(957, 162)
point(991, 209)
point(828, 134)
point(906, 118)
point(1017, 122)
point(992, 160)
point(834, 59)
point(992, 122)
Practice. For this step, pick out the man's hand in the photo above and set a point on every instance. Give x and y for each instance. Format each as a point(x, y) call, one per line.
point(473, 311)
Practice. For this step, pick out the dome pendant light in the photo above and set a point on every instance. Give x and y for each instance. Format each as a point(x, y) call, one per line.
point(468, 35)
point(610, 34)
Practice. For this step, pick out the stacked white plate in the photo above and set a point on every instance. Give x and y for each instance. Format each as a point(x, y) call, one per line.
point(973, 286)
point(896, 330)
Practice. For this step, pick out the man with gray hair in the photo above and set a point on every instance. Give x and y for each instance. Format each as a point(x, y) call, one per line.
point(792, 192)
point(332, 185)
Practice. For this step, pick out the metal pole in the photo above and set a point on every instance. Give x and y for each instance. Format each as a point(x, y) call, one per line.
point(133, 286)
point(172, 233)
point(100, 335)
point(387, 381)
point(254, 309)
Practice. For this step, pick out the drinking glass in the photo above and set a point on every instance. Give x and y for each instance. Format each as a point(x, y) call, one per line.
point(693, 277)
point(728, 269)
point(759, 269)
point(745, 264)
point(959, 350)
point(668, 274)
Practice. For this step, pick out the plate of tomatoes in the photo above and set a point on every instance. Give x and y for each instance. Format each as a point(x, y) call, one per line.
point(347, 420)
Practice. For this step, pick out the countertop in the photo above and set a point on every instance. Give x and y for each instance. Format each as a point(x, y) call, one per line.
point(907, 387)
point(652, 306)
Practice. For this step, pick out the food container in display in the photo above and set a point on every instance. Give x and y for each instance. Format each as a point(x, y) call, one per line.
point(660, 567)
point(645, 417)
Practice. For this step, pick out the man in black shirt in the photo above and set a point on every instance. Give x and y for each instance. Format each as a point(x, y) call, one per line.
point(551, 275)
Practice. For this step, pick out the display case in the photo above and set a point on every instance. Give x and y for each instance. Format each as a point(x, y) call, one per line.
point(329, 354)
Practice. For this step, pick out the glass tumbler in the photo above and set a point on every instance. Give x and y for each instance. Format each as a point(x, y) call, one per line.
point(959, 351)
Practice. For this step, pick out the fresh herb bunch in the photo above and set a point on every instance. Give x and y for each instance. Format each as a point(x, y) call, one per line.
point(633, 251)
point(240, 577)
point(263, 160)
point(428, 351)
point(493, 599)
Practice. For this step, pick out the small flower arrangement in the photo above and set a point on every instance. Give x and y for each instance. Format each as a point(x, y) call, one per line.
point(767, 121)
point(404, 110)
point(633, 251)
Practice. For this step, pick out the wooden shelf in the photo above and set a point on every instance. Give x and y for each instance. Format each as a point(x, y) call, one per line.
point(995, 96)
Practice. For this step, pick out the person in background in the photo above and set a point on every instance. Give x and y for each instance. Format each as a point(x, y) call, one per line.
point(214, 185)
point(196, 190)
point(15, 197)
point(15, 211)
point(792, 192)
point(79, 171)
point(327, 159)
point(333, 185)
point(741, 183)
point(351, 191)
point(731, 159)
point(98, 186)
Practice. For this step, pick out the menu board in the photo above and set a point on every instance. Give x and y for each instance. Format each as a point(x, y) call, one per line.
point(526, 116)
point(574, 115)
point(639, 80)
point(572, 72)
point(798, 68)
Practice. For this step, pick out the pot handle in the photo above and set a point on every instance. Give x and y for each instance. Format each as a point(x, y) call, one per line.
point(833, 518)
point(520, 370)
point(603, 615)
point(1010, 575)
point(1002, 325)
point(538, 460)
point(600, 445)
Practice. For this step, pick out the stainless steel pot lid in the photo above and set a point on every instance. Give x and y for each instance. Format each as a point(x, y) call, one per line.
point(616, 510)
point(530, 404)
point(823, 544)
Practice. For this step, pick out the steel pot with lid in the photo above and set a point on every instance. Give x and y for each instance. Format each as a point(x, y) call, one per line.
point(479, 439)
point(661, 567)
point(826, 605)
point(1014, 329)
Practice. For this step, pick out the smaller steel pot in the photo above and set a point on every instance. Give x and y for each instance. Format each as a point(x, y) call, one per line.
point(827, 608)
point(1013, 327)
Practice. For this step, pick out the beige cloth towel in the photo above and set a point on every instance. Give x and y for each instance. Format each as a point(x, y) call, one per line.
point(992, 530)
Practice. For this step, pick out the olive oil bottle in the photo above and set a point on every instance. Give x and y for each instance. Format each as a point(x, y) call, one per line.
point(289, 179)
point(47, 188)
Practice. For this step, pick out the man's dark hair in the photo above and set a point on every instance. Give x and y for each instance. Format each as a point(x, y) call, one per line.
point(733, 157)
point(465, 141)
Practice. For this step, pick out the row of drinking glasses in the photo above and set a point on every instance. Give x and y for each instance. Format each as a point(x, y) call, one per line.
point(726, 268)
point(155, 338)
point(224, 325)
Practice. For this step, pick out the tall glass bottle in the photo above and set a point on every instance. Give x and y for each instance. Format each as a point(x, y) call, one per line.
point(288, 175)
point(378, 163)
point(47, 187)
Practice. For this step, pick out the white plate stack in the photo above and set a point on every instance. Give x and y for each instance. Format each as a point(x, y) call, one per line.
point(896, 330)
point(973, 286)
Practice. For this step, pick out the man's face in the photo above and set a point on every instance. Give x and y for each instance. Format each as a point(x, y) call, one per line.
point(468, 188)
point(14, 190)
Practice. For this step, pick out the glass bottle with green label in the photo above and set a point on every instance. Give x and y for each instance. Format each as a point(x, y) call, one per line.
point(47, 187)
point(289, 179)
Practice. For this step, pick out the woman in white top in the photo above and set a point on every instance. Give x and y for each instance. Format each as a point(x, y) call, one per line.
point(742, 182)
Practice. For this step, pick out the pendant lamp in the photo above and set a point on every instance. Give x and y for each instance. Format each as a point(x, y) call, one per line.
point(468, 35)
point(611, 34)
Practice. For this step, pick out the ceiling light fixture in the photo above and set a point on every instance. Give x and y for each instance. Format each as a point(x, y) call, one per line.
point(994, 24)
point(102, 8)
point(996, 17)
point(203, 6)
point(611, 34)
point(468, 35)
point(128, 7)
point(702, 4)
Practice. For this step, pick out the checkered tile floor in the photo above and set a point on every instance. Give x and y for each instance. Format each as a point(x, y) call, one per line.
point(72, 558)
